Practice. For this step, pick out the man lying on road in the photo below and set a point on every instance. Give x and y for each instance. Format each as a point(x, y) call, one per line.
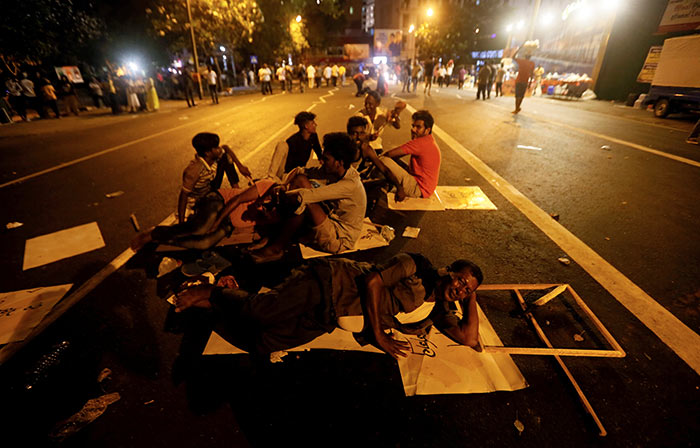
point(310, 301)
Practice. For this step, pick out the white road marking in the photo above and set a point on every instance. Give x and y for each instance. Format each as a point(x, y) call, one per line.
point(612, 139)
point(118, 147)
point(674, 333)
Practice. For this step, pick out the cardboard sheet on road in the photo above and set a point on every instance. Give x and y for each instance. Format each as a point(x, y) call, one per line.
point(446, 198)
point(66, 243)
point(21, 311)
point(436, 364)
point(369, 239)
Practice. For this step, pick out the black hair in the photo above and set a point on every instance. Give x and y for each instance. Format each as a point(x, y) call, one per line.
point(303, 117)
point(355, 121)
point(462, 265)
point(374, 94)
point(424, 115)
point(340, 146)
point(205, 141)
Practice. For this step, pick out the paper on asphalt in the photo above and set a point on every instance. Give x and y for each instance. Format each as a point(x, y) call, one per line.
point(369, 239)
point(66, 243)
point(436, 365)
point(21, 311)
point(445, 198)
point(464, 198)
point(427, 204)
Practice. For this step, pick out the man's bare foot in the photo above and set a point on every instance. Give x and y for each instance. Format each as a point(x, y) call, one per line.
point(193, 297)
point(141, 240)
point(516, 111)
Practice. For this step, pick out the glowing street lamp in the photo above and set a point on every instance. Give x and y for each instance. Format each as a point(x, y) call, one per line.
point(298, 19)
point(411, 29)
point(509, 28)
point(429, 12)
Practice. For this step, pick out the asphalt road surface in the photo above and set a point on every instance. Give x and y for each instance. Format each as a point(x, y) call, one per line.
point(628, 217)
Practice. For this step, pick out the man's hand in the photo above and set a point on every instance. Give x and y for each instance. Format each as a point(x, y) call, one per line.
point(392, 346)
point(400, 194)
point(244, 171)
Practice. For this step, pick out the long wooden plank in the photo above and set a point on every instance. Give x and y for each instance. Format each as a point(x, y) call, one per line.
point(579, 391)
point(592, 353)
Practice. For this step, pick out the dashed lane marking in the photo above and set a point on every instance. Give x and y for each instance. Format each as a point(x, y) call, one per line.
point(674, 333)
point(123, 145)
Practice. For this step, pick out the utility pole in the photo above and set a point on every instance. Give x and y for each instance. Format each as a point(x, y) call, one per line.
point(533, 20)
point(194, 50)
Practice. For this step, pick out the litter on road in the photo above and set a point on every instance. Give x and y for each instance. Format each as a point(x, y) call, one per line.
point(114, 194)
point(13, 225)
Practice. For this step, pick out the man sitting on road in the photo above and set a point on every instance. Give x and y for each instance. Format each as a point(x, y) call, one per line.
point(315, 298)
point(216, 215)
point(206, 172)
point(296, 150)
point(421, 179)
point(379, 117)
point(339, 229)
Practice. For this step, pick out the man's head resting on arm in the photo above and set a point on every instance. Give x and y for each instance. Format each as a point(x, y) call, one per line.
point(458, 280)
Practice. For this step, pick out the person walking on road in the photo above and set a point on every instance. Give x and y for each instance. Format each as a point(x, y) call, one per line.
point(428, 68)
point(462, 76)
point(265, 75)
point(96, 93)
point(483, 81)
point(341, 74)
point(311, 75)
point(334, 75)
point(30, 100)
point(152, 103)
point(188, 87)
point(69, 96)
point(17, 101)
point(415, 74)
point(50, 97)
point(211, 78)
point(449, 69)
point(327, 73)
point(500, 74)
point(525, 69)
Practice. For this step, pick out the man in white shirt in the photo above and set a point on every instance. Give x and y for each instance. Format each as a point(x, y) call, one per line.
point(327, 72)
point(310, 75)
point(337, 230)
point(265, 75)
point(211, 77)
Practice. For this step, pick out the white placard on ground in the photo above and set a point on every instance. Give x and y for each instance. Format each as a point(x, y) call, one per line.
point(21, 311)
point(66, 243)
point(369, 239)
point(436, 364)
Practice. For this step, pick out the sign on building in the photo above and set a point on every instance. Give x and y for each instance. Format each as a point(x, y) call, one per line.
point(680, 15)
point(646, 75)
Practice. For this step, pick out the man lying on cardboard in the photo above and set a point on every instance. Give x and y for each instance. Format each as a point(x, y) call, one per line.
point(328, 293)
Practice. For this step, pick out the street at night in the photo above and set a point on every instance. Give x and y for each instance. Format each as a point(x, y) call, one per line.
point(598, 194)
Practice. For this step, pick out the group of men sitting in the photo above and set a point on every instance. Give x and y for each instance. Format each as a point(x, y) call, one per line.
point(323, 206)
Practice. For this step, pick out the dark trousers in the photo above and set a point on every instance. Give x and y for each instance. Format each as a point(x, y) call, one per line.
point(189, 96)
point(53, 104)
point(213, 93)
point(481, 91)
point(499, 88)
point(194, 233)
point(266, 87)
point(295, 312)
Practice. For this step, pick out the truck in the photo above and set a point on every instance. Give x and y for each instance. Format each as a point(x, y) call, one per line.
point(676, 83)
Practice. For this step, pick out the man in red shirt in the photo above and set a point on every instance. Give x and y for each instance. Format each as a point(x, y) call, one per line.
point(525, 69)
point(421, 179)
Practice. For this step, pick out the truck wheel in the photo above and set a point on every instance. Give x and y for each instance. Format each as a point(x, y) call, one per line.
point(662, 108)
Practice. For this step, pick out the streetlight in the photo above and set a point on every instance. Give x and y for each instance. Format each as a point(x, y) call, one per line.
point(429, 12)
point(298, 19)
point(411, 29)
